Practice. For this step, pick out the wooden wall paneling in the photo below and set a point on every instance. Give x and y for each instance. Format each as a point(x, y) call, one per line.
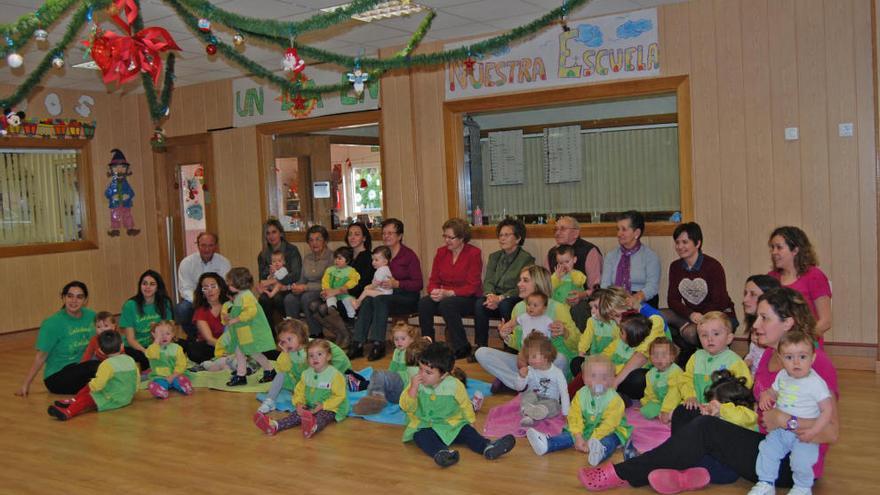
point(704, 108)
point(866, 135)
point(727, 238)
point(843, 171)
point(813, 118)
point(427, 97)
point(759, 140)
point(674, 32)
point(218, 104)
point(782, 58)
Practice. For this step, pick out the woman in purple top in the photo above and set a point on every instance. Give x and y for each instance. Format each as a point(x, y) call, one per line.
point(406, 283)
point(795, 265)
point(710, 449)
point(697, 285)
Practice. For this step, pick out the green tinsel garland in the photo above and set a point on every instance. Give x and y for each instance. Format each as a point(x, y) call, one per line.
point(21, 31)
point(158, 106)
point(34, 78)
point(252, 67)
point(275, 32)
point(271, 27)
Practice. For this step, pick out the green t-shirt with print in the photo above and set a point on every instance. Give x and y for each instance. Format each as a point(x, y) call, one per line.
point(65, 338)
point(129, 318)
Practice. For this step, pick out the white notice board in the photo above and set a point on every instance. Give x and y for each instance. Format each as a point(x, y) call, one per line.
point(562, 154)
point(506, 158)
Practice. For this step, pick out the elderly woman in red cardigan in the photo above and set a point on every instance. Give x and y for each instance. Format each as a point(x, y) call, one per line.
point(454, 285)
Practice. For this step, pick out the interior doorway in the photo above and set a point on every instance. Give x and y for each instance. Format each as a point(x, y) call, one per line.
point(184, 201)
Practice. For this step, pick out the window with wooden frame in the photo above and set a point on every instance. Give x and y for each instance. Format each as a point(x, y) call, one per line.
point(589, 151)
point(46, 202)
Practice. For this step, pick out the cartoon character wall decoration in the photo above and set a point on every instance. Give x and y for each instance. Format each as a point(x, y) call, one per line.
point(193, 186)
point(119, 193)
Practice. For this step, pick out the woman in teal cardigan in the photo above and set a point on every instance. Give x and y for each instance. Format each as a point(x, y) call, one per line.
point(500, 293)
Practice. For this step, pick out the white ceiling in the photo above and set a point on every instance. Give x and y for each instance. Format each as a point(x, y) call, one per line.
point(455, 19)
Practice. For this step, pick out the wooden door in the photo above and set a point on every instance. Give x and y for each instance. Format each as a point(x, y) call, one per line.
point(184, 199)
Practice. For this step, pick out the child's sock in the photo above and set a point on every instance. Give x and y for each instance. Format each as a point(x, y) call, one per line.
point(477, 400)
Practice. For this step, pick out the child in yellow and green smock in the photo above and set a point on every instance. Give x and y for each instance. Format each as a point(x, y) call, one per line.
point(320, 396)
point(250, 333)
point(167, 362)
point(439, 411)
point(113, 386)
point(596, 421)
point(716, 333)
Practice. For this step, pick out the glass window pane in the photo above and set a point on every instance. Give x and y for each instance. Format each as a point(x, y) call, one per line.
point(40, 197)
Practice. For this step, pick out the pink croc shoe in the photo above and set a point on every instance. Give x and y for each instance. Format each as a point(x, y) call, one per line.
point(670, 481)
point(158, 391)
point(600, 478)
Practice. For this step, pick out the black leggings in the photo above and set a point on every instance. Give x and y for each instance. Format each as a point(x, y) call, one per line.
point(730, 445)
point(139, 357)
point(71, 378)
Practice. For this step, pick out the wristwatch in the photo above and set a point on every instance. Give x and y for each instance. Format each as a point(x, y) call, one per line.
point(791, 424)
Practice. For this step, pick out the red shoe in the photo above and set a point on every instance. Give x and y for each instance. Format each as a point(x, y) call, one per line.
point(62, 414)
point(309, 424)
point(265, 423)
point(670, 481)
point(600, 478)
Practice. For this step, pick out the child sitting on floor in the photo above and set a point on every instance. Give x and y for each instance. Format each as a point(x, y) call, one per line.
point(729, 399)
point(440, 413)
point(545, 393)
point(320, 396)
point(105, 321)
point(340, 278)
point(566, 279)
point(293, 338)
point(113, 386)
point(381, 258)
point(801, 393)
point(250, 333)
point(716, 333)
point(167, 362)
point(663, 382)
point(596, 421)
point(386, 386)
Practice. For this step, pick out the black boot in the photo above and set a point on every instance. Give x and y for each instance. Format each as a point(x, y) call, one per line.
point(356, 350)
point(377, 352)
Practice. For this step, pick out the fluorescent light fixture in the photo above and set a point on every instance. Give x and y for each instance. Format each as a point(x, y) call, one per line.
point(90, 64)
point(384, 10)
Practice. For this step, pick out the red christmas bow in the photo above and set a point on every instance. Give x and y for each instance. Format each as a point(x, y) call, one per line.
point(127, 7)
point(121, 58)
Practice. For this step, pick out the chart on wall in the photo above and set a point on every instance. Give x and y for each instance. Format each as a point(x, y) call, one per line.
point(620, 46)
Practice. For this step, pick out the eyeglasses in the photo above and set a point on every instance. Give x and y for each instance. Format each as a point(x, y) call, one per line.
point(450, 237)
point(206, 288)
point(506, 234)
point(560, 228)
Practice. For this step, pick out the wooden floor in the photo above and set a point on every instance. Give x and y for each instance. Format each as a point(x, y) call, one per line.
point(207, 444)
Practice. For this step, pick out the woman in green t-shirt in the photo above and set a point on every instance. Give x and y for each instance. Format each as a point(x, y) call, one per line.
point(61, 341)
point(150, 304)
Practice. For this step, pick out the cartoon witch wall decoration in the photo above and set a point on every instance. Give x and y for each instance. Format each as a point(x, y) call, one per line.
point(120, 194)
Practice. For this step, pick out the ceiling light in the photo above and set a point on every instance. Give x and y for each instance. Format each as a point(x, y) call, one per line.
point(384, 10)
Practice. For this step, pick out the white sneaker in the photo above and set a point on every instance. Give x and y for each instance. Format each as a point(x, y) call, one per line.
point(597, 452)
point(537, 440)
point(267, 406)
point(763, 488)
point(800, 490)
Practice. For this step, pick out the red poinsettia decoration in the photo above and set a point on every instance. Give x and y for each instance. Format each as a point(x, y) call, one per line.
point(121, 58)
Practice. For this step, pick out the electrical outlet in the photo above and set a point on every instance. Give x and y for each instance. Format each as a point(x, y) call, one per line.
point(845, 129)
point(791, 133)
